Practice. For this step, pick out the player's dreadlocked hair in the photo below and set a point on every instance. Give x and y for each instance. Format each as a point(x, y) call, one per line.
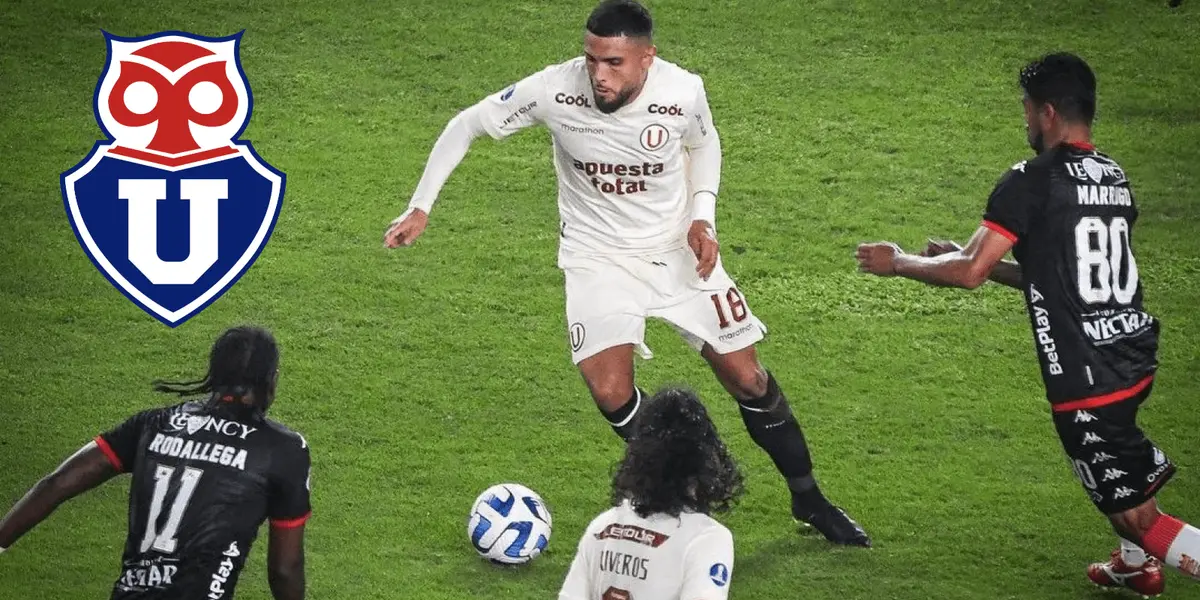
point(243, 360)
point(1063, 81)
point(613, 18)
point(675, 460)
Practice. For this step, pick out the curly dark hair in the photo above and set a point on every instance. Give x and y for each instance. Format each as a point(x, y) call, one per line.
point(675, 461)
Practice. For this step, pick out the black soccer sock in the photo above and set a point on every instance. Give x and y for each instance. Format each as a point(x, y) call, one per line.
point(772, 426)
point(621, 420)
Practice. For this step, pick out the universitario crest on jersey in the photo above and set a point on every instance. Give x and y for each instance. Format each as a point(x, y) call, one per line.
point(172, 208)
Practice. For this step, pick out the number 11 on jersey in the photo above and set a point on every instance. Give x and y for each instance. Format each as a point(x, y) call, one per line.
point(164, 541)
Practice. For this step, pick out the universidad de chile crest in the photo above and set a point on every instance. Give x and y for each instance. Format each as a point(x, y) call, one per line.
point(171, 208)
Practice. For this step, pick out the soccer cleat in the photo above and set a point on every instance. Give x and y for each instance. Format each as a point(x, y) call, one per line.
point(834, 524)
point(1146, 580)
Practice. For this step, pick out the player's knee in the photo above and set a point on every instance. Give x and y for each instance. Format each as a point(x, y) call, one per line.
point(749, 383)
point(611, 393)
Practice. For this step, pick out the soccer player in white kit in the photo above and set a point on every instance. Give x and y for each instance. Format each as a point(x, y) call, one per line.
point(658, 542)
point(638, 161)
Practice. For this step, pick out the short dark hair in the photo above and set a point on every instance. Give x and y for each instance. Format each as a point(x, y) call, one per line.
point(244, 359)
point(1064, 81)
point(675, 461)
point(614, 18)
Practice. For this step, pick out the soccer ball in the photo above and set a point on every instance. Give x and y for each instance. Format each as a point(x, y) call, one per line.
point(509, 524)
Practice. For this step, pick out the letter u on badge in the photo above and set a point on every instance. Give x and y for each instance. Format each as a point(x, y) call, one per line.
point(172, 208)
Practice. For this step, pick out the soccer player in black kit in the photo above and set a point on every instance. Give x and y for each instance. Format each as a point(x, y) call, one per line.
point(206, 474)
point(1068, 216)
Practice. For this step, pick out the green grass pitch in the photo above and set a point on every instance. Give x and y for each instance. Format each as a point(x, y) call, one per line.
point(422, 376)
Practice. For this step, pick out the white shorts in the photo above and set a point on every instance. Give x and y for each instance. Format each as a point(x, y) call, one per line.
point(609, 299)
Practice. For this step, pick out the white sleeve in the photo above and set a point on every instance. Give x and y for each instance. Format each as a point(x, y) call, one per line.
point(499, 115)
point(576, 586)
point(704, 159)
point(708, 566)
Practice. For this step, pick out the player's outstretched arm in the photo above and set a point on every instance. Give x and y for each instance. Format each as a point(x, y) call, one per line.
point(449, 150)
point(285, 562)
point(499, 115)
point(1006, 272)
point(86, 469)
point(967, 268)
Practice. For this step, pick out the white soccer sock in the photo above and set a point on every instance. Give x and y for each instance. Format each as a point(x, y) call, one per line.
point(1175, 543)
point(1132, 554)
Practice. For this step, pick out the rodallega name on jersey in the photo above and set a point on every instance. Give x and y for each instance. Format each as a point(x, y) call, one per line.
point(220, 454)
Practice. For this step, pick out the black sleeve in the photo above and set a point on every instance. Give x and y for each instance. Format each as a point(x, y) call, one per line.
point(120, 444)
point(1012, 203)
point(288, 504)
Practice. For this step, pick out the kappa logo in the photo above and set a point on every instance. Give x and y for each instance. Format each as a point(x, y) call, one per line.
point(172, 208)
point(1123, 492)
point(1090, 438)
point(1111, 474)
point(1100, 457)
point(1083, 416)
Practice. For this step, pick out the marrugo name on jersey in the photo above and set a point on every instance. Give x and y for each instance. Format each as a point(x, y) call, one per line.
point(220, 454)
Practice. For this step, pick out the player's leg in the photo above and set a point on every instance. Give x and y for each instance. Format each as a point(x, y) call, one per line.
point(1163, 537)
point(770, 422)
point(609, 377)
point(1121, 471)
point(715, 319)
point(606, 324)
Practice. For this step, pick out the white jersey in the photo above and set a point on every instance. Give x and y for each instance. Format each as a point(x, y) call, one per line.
point(623, 556)
point(623, 178)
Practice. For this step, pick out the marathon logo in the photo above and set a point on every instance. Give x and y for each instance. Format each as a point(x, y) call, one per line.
point(220, 454)
point(621, 186)
point(632, 533)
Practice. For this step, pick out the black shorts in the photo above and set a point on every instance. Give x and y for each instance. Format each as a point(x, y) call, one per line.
point(1119, 467)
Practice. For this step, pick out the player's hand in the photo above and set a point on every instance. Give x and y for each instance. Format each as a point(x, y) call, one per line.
point(940, 247)
point(406, 228)
point(703, 243)
point(878, 258)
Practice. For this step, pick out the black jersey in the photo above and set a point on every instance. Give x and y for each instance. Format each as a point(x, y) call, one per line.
point(204, 480)
point(1071, 215)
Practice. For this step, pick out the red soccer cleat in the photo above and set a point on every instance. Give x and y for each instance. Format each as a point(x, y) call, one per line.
point(1146, 580)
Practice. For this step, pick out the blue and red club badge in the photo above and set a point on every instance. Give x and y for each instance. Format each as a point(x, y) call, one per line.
point(172, 208)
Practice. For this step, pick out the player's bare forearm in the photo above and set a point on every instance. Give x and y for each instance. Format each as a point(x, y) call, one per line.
point(85, 470)
point(285, 563)
point(948, 270)
point(1008, 273)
